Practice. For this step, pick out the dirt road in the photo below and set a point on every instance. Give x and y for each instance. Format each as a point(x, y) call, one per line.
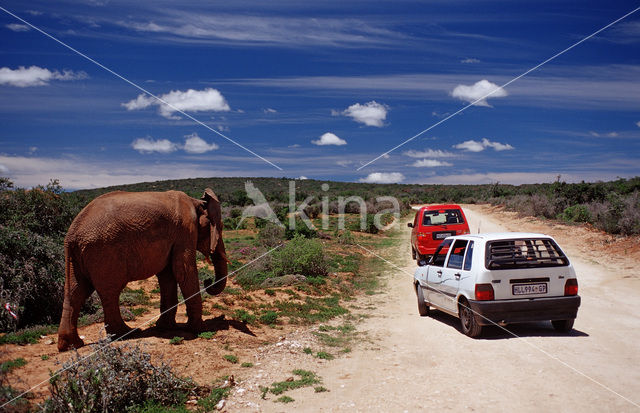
point(410, 363)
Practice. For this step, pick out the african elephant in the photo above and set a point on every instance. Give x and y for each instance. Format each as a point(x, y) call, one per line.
point(126, 236)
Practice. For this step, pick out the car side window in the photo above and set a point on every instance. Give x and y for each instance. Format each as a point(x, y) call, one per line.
point(457, 254)
point(468, 257)
point(441, 254)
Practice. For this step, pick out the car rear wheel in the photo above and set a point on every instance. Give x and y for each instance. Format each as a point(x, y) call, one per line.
point(423, 306)
point(563, 326)
point(468, 320)
point(413, 254)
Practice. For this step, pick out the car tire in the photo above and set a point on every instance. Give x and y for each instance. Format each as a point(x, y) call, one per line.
point(413, 254)
point(563, 326)
point(423, 306)
point(468, 320)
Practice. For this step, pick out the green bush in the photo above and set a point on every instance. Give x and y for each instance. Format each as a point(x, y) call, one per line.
point(269, 317)
point(300, 228)
point(271, 235)
point(576, 213)
point(300, 256)
point(345, 237)
point(114, 379)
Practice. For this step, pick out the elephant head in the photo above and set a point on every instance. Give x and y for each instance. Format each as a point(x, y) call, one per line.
point(210, 242)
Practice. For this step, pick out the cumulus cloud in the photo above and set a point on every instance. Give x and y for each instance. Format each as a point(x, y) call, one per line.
point(329, 139)
point(16, 27)
point(302, 177)
point(480, 90)
point(383, 178)
point(35, 76)
point(149, 145)
point(195, 144)
point(638, 124)
point(475, 146)
point(371, 113)
point(207, 100)
point(430, 153)
point(470, 60)
point(269, 111)
point(430, 163)
point(3, 169)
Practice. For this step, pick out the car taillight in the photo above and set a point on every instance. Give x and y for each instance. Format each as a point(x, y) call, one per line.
point(423, 234)
point(484, 292)
point(571, 287)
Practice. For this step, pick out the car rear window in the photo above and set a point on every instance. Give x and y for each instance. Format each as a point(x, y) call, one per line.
point(524, 253)
point(442, 216)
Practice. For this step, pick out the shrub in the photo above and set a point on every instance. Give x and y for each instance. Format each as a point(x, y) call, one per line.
point(177, 340)
point(271, 235)
point(300, 256)
point(346, 237)
point(114, 379)
point(300, 228)
point(576, 213)
point(244, 316)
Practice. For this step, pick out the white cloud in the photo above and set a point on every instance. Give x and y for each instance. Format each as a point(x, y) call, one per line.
point(16, 27)
point(269, 110)
point(383, 178)
point(603, 135)
point(480, 90)
point(189, 101)
point(638, 124)
point(35, 76)
point(371, 113)
point(430, 163)
point(344, 163)
point(295, 145)
point(430, 153)
point(470, 60)
point(149, 145)
point(302, 177)
point(329, 139)
point(32, 150)
point(195, 144)
point(3, 169)
point(475, 146)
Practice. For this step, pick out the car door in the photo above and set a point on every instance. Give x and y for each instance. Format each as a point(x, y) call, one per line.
point(451, 274)
point(434, 275)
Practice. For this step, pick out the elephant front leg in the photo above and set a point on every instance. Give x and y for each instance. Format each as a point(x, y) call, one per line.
point(168, 299)
point(186, 273)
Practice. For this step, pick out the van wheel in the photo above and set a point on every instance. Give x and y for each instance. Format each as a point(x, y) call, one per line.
point(563, 326)
point(413, 254)
point(423, 306)
point(468, 320)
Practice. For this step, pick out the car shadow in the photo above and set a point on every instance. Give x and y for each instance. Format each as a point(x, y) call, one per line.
point(492, 332)
point(181, 330)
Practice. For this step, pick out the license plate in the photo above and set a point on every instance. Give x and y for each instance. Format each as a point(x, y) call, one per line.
point(443, 235)
point(523, 289)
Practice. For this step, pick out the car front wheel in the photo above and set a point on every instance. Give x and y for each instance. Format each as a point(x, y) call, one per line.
point(563, 326)
point(468, 320)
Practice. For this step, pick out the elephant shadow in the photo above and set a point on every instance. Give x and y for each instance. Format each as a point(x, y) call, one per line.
point(219, 323)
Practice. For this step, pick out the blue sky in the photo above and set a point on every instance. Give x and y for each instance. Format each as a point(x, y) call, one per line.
point(319, 90)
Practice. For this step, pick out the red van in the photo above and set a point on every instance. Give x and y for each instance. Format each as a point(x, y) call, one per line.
point(432, 224)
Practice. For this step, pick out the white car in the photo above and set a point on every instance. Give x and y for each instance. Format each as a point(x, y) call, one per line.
point(499, 278)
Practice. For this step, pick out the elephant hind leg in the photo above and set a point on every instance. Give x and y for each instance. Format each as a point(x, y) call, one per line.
point(77, 289)
point(113, 321)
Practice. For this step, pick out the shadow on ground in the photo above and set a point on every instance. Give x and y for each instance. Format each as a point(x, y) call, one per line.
point(537, 329)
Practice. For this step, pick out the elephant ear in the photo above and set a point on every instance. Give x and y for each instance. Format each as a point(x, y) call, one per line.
point(214, 213)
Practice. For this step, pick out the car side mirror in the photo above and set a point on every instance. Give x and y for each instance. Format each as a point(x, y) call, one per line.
point(410, 225)
point(422, 263)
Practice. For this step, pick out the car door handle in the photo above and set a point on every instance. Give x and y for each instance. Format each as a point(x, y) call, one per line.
point(457, 275)
point(439, 273)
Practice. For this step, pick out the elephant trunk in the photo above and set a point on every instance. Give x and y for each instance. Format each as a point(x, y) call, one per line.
point(219, 261)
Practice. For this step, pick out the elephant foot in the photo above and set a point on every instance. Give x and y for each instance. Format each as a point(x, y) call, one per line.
point(68, 341)
point(195, 326)
point(166, 324)
point(118, 333)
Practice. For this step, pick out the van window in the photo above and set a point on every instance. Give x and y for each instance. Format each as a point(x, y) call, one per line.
point(441, 254)
point(468, 257)
point(457, 254)
point(442, 216)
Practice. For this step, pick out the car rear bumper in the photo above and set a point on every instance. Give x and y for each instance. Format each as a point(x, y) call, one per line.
point(525, 310)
